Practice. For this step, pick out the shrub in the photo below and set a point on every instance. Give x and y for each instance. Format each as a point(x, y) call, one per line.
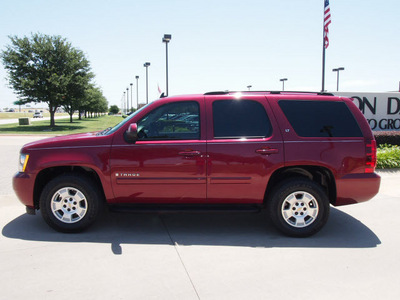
point(387, 137)
point(114, 109)
point(388, 157)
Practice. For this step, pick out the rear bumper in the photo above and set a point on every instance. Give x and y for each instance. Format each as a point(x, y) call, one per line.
point(23, 185)
point(356, 188)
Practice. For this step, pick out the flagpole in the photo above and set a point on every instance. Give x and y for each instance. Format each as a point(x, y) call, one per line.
point(323, 65)
point(325, 39)
point(323, 52)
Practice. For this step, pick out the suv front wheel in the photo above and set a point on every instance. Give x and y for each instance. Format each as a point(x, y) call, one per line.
point(70, 203)
point(299, 207)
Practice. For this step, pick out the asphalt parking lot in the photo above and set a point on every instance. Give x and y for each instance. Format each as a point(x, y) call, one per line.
point(198, 256)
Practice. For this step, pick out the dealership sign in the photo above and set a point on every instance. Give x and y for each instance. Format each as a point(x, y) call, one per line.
point(382, 110)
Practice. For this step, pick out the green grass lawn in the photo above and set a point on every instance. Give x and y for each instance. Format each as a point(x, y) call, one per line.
point(63, 126)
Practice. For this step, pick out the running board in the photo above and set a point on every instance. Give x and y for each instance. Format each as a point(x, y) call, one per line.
point(175, 208)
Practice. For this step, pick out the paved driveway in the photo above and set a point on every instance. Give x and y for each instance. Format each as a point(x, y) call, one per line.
point(199, 256)
point(12, 121)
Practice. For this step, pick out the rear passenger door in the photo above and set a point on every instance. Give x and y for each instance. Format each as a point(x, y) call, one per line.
point(244, 147)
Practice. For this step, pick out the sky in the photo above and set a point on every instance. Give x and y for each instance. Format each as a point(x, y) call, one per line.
point(217, 44)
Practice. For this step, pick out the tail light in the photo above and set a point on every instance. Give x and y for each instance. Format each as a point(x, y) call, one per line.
point(370, 161)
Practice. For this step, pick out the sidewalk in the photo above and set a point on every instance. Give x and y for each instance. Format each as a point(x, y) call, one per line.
point(15, 121)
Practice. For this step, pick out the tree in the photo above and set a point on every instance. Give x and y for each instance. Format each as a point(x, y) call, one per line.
point(46, 69)
point(114, 109)
point(95, 102)
point(76, 91)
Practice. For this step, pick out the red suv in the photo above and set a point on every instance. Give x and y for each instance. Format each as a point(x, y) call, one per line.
point(291, 153)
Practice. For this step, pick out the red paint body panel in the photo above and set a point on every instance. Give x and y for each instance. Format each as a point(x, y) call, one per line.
point(356, 188)
point(23, 185)
point(164, 175)
point(237, 173)
point(83, 150)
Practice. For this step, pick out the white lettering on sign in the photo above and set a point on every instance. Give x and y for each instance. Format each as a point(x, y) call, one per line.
point(382, 110)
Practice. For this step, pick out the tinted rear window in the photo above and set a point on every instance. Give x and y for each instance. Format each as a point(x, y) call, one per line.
point(320, 118)
point(240, 119)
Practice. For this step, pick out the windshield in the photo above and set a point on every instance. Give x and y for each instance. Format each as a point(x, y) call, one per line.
point(111, 130)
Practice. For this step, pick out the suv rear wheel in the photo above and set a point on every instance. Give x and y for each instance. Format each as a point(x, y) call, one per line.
point(70, 203)
point(299, 207)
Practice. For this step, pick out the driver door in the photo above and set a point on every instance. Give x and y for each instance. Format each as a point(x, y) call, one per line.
point(167, 162)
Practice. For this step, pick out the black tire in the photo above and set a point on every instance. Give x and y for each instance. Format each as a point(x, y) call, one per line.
point(70, 203)
point(298, 207)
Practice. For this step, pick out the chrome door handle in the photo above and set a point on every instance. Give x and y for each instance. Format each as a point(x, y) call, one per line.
point(267, 151)
point(189, 153)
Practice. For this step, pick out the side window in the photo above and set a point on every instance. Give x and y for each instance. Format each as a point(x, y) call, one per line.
point(173, 121)
point(240, 119)
point(320, 118)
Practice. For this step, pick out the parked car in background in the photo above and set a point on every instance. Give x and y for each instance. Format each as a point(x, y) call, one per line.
point(38, 114)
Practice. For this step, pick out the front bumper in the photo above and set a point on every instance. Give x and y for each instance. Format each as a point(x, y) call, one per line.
point(23, 184)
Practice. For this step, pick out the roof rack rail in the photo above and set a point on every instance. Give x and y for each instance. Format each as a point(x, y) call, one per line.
point(218, 93)
point(271, 92)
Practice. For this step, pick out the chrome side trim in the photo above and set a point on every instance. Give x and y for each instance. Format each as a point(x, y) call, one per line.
point(71, 147)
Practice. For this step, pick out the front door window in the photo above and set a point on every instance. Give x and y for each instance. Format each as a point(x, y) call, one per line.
point(175, 121)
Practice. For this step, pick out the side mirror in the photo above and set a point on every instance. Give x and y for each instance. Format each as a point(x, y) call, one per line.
point(131, 135)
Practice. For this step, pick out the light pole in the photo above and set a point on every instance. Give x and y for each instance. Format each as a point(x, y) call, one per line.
point(283, 83)
point(146, 65)
point(137, 92)
point(124, 108)
point(122, 102)
point(127, 100)
point(249, 87)
point(166, 39)
point(131, 97)
point(337, 78)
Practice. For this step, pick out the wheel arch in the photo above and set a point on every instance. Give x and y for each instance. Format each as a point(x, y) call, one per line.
point(320, 175)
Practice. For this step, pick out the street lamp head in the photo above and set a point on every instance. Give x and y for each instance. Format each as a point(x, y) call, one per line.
point(283, 79)
point(137, 77)
point(338, 69)
point(166, 38)
point(131, 84)
point(146, 64)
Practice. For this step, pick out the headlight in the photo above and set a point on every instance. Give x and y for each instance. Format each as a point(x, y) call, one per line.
point(23, 161)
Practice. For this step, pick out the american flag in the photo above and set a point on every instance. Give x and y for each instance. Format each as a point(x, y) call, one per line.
point(327, 21)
